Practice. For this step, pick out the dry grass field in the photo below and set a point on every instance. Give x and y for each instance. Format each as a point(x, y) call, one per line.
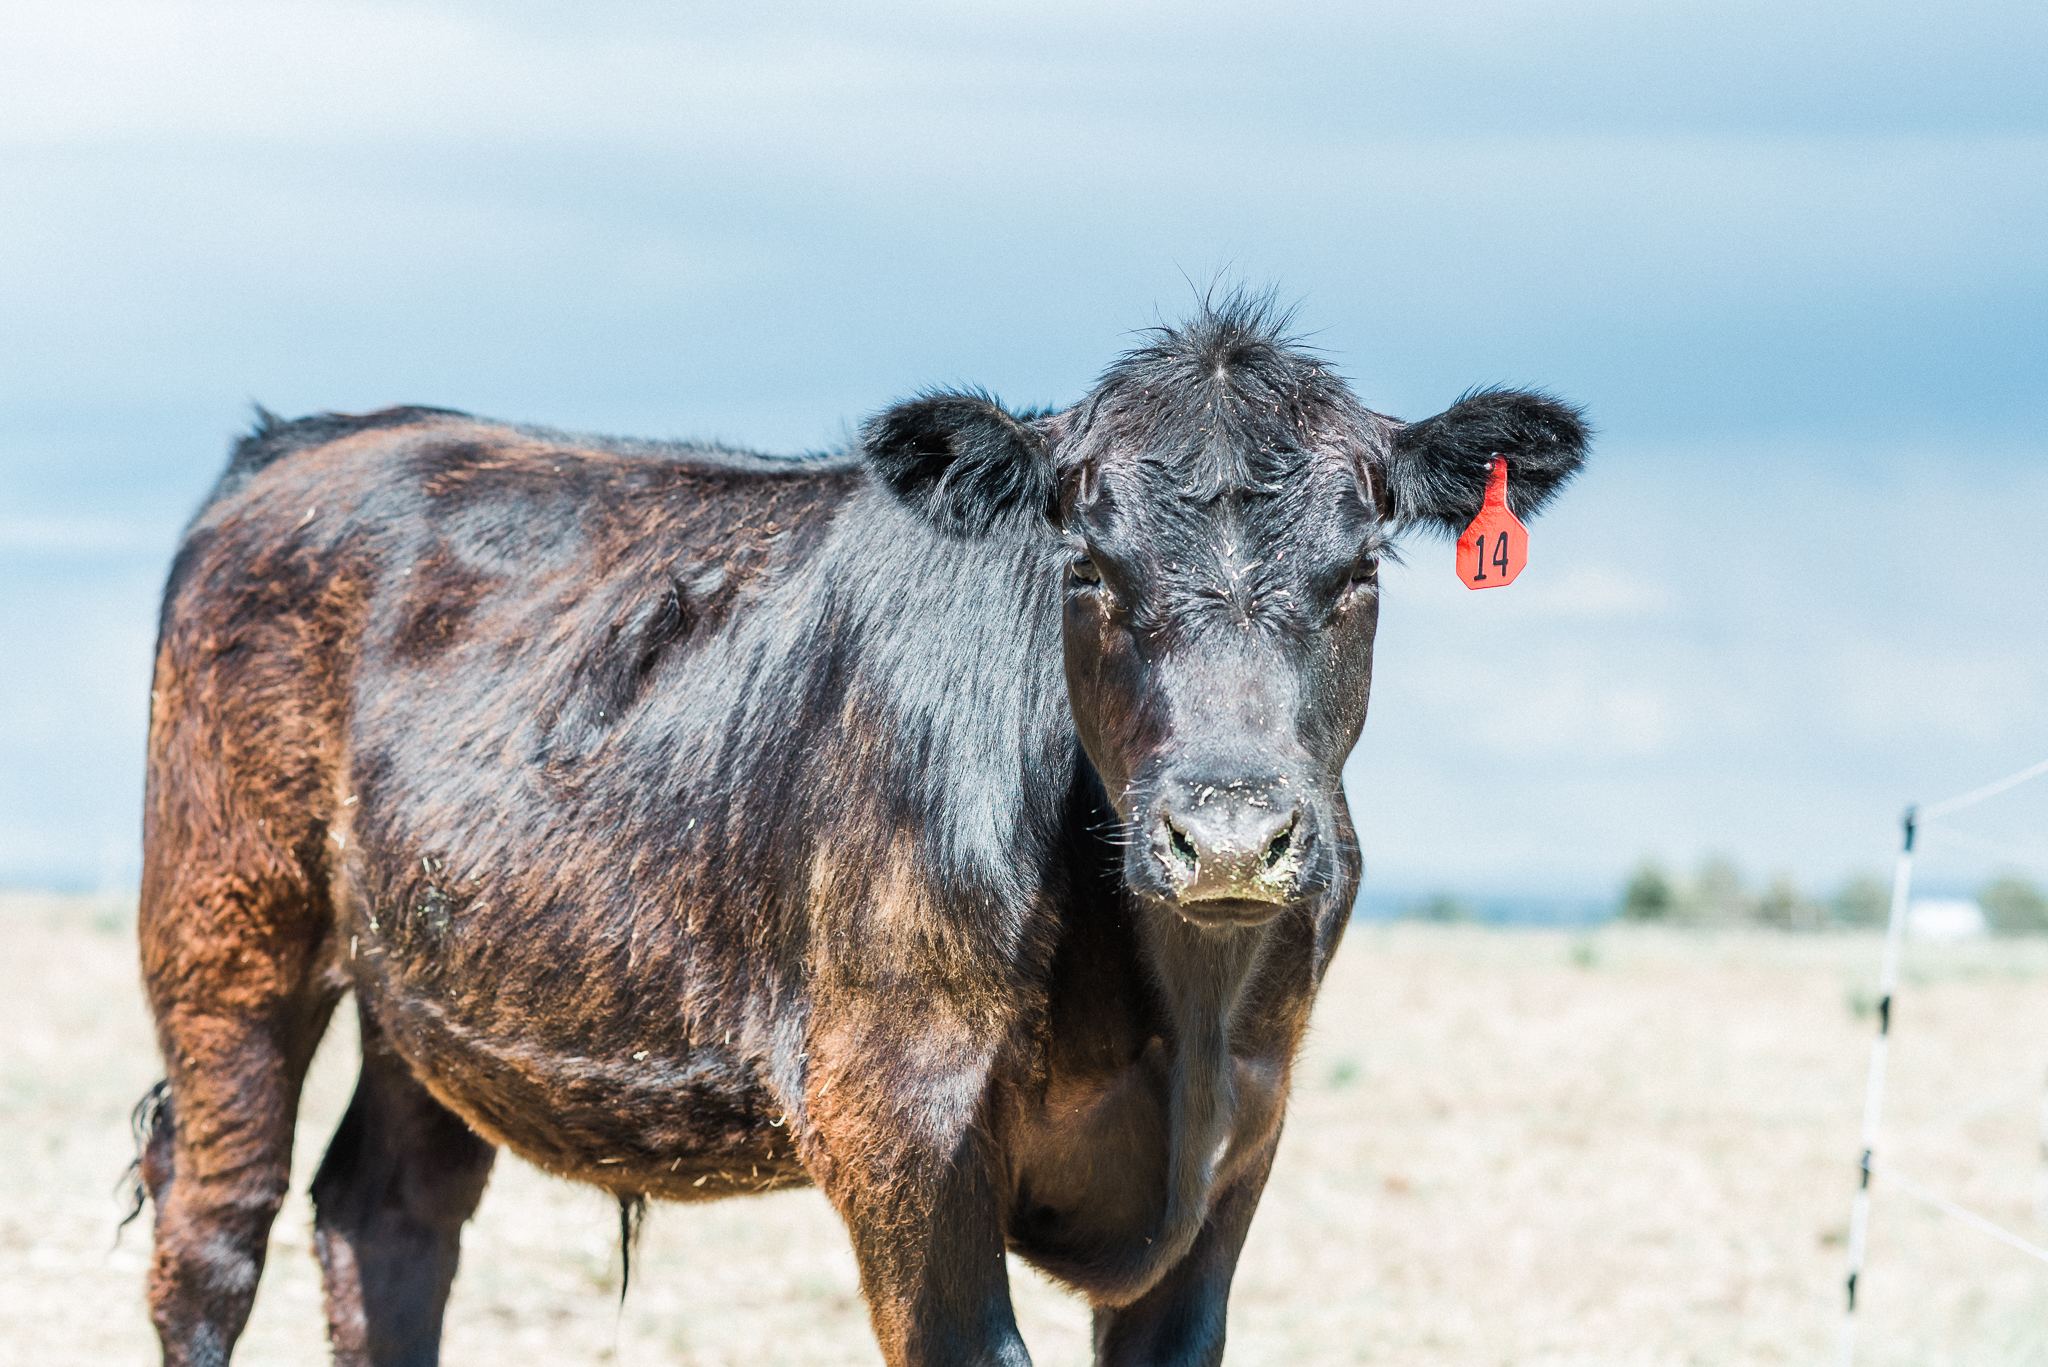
point(1506, 1147)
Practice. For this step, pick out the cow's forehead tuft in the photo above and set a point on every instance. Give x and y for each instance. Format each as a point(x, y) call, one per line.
point(1223, 404)
point(1146, 512)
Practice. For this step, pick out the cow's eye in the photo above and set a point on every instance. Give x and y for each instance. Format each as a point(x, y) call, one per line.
point(1365, 577)
point(1083, 569)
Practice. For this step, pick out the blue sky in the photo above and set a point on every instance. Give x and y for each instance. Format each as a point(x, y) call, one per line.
point(1794, 260)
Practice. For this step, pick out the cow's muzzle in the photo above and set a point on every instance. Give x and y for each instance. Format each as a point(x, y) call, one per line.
point(1230, 853)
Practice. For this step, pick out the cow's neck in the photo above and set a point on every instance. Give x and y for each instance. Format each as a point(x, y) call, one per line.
point(1202, 974)
point(1009, 686)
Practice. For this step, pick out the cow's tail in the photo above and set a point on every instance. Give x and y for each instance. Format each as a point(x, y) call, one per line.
point(154, 1126)
point(632, 1215)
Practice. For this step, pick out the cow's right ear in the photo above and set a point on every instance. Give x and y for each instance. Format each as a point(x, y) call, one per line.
point(962, 461)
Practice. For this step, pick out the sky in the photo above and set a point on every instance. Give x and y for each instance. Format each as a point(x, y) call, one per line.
point(1793, 260)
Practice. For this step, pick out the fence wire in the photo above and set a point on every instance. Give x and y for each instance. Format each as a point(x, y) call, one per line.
point(1977, 795)
point(1969, 840)
point(1967, 1216)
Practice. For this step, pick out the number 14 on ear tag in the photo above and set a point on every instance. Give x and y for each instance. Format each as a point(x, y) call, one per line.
point(1492, 551)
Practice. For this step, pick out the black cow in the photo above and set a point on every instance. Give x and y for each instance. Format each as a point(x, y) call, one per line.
point(954, 823)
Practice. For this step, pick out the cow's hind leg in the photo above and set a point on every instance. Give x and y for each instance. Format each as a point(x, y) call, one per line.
point(240, 1008)
point(399, 1180)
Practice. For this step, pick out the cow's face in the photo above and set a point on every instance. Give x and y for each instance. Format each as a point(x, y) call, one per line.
point(1218, 634)
point(1224, 503)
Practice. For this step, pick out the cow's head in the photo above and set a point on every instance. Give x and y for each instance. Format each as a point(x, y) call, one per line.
point(1225, 503)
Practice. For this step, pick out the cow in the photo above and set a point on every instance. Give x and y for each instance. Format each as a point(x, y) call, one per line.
point(953, 822)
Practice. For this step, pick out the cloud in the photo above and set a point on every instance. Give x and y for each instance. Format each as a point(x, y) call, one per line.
point(61, 535)
point(1584, 718)
point(1888, 691)
point(279, 74)
point(494, 71)
point(1582, 591)
point(1801, 246)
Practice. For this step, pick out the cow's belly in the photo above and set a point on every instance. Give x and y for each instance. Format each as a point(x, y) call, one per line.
point(659, 1116)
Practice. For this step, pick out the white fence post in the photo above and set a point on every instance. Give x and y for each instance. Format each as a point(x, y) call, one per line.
point(1873, 1091)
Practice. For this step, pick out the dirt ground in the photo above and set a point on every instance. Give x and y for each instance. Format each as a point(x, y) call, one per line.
point(1506, 1147)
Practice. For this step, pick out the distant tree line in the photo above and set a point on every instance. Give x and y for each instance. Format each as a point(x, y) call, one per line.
point(1716, 895)
point(1443, 909)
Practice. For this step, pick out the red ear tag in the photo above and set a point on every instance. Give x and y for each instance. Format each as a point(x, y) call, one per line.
point(1492, 551)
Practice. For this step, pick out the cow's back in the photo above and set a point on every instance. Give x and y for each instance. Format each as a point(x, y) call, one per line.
point(343, 559)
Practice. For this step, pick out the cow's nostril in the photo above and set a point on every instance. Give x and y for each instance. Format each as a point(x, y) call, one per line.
point(1281, 844)
point(1183, 848)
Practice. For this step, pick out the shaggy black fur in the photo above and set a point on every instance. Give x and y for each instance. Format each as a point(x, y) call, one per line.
point(1228, 401)
point(1440, 465)
point(961, 460)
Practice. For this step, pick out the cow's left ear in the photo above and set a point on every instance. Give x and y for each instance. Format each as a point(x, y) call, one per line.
point(1437, 468)
point(961, 460)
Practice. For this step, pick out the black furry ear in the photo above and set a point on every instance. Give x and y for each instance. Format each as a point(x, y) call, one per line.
point(961, 460)
point(1437, 469)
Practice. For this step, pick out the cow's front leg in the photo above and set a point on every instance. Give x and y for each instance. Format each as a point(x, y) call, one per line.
point(1180, 1320)
point(931, 1260)
point(892, 1141)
